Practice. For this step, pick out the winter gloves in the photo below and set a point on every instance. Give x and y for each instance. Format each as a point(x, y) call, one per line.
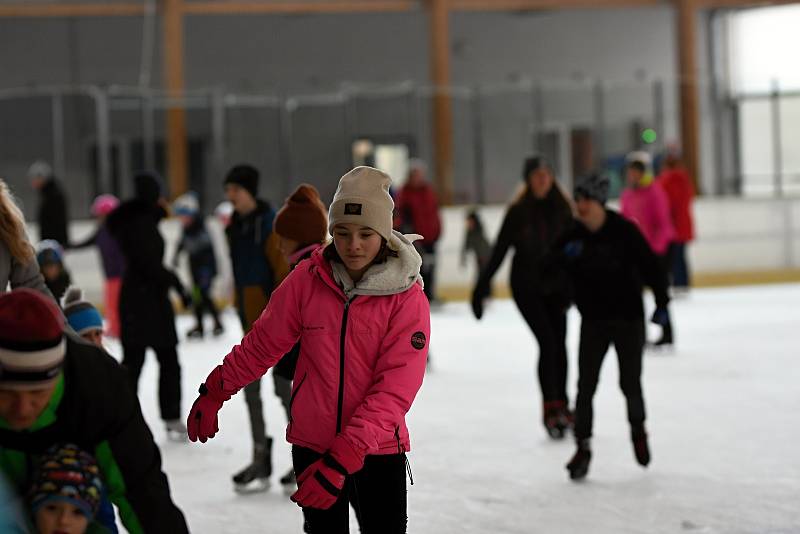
point(203, 423)
point(322, 482)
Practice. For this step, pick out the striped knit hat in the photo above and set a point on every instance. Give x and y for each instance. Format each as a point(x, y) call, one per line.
point(32, 343)
point(81, 315)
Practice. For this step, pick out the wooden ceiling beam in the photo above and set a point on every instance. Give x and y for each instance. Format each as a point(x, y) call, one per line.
point(212, 7)
point(71, 10)
point(536, 5)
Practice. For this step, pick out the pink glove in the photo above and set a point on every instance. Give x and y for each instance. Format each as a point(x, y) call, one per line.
point(322, 482)
point(202, 422)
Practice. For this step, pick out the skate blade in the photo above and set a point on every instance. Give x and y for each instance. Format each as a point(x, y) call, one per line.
point(177, 437)
point(259, 485)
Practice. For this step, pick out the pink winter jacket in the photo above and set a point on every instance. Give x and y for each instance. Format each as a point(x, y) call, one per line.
point(362, 353)
point(648, 208)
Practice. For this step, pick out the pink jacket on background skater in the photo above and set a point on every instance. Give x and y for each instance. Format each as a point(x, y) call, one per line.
point(648, 208)
point(362, 351)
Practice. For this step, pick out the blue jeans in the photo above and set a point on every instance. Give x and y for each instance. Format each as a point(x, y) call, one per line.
point(679, 265)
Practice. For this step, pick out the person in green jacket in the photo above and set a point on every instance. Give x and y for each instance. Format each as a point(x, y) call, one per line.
point(54, 390)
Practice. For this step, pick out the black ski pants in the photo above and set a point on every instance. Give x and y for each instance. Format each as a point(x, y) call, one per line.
point(377, 493)
point(169, 376)
point(596, 338)
point(546, 316)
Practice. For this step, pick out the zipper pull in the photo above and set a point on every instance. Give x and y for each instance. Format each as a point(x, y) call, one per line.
point(408, 469)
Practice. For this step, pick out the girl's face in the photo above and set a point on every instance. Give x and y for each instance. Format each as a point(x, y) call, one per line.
point(540, 182)
point(357, 246)
point(61, 517)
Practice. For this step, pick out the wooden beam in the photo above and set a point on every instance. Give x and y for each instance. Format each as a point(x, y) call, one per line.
point(536, 5)
point(71, 10)
point(299, 7)
point(686, 13)
point(708, 4)
point(439, 28)
point(177, 152)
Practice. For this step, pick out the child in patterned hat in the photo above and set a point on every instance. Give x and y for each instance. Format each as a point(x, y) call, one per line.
point(67, 491)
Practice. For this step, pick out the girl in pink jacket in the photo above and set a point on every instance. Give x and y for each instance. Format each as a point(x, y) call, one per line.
point(358, 309)
point(646, 204)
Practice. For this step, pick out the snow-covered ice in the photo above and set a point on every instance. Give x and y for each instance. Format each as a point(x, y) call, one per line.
point(723, 416)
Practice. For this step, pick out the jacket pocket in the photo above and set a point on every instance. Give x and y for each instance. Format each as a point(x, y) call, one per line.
point(294, 395)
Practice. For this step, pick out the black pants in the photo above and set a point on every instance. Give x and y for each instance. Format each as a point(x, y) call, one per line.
point(547, 318)
point(377, 494)
point(428, 270)
point(596, 338)
point(169, 376)
point(679, 266)
point(203, 303)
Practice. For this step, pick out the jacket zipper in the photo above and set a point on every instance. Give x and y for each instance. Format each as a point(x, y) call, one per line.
point(296, 391)
point(341, 365)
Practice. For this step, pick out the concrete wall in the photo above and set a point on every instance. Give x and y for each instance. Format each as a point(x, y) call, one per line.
point(733, 235)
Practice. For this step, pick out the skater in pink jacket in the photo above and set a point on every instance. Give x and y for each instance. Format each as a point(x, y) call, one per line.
point(358, 309)
point(646, 204)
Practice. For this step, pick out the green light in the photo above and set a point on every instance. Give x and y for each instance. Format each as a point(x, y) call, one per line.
point(649, 136)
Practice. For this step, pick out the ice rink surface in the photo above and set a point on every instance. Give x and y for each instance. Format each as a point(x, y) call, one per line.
point(723, 417)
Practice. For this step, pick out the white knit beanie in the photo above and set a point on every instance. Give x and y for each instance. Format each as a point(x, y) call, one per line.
point(363, 198)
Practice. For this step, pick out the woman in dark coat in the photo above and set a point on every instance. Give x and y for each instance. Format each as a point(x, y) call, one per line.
point(537, 218)
point(146, 315)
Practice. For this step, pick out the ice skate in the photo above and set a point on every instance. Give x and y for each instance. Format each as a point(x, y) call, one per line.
point(554, 420)
point(640, 447)
point(176, 431)
point(218, 330)
point(254, 478)
point(289, 481)
point(578, 466)
point(195, 333)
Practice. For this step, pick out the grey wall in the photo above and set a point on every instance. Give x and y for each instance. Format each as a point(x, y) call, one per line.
point(311, 54)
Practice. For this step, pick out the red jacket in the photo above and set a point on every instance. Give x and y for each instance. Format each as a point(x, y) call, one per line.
point(417, 211)
point(680, 191)
point(361, 360)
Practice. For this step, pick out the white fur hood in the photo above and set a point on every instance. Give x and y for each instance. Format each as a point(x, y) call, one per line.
point(394, 276)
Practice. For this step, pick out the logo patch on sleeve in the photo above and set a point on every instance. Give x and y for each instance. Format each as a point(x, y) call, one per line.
point(418, 340)
point(352, 209)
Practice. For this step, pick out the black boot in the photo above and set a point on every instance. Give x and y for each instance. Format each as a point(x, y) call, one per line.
point(289, 478)
point(640, 447)
point(554, 420)
point(218, 330)
point(578, 467)
point(195, 333)
point(666, 339)
point(255, 477)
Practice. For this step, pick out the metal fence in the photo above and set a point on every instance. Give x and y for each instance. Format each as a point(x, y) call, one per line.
point(96, 137)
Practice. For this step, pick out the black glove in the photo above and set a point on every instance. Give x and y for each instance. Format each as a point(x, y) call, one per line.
point(660, 316)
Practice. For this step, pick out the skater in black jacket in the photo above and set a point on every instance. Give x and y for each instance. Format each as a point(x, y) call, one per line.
point(608, 261)
point(538, 217)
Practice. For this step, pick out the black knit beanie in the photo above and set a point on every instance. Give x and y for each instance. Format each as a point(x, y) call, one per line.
point(531, 164)
point(245, 176)
point(148, 186)
point(594, 187)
